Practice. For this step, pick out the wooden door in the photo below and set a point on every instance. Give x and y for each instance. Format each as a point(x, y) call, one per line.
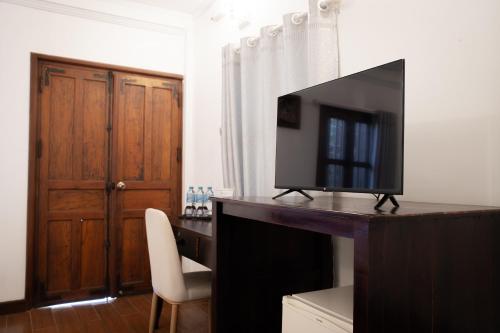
point(72, 201)
point(146, 169)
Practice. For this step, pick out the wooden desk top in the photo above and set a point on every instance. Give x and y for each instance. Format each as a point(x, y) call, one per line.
point(356, 206)
point(203, 228)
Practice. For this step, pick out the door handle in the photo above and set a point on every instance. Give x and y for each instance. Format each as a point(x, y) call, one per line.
point(121, 186)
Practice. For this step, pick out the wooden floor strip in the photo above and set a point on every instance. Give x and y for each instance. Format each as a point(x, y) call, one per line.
point(140, 303)
point(113, 321)
point(19, 323)
point(51, 329)
point(86, 313)
point(67, 320)
point(42, 318)
point(137, 322)
point(128, 314)
point(95, 326)
point(123, 306)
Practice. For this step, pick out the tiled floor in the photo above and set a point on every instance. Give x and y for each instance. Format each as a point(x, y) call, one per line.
point(123, 315)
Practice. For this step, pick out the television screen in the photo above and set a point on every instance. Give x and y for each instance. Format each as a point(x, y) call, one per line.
point(345, 134)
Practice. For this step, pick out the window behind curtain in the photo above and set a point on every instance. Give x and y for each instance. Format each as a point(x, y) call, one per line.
point(346, 148)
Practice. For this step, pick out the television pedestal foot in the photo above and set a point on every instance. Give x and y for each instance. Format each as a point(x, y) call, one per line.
point(290, 191)
point(384, 199)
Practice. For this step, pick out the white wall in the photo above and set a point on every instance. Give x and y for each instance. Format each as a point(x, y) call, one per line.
point(452, 79)
point(24, 30)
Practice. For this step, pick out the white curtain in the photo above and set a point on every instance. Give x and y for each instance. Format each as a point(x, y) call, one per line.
point(301, 53)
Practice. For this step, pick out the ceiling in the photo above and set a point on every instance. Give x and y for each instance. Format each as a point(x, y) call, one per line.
point(193, 7)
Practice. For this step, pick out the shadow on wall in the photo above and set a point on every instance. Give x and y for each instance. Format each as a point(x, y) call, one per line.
point(343, 261)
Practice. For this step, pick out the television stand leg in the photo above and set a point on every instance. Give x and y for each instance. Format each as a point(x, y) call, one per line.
point(384, 199)
point(290, 191)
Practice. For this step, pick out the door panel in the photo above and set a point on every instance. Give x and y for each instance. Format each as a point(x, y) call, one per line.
point(72, 228)
point(134, 268)
point(93, 259)
point(132, 132)
point(94, 154)
point(146, 140)
point(75, 199)
point(142, 199)
point(61, 119)
point(161, 135)
point(59, 256)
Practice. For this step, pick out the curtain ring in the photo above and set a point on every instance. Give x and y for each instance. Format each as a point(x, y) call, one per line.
point(252, 41)
point(298, 18)
point(274, 31)
point(323, 5)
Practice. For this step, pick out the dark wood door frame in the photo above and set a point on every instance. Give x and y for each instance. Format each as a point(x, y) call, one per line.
point(36, 58)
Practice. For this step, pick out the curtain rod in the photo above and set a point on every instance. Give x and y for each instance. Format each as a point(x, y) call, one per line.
point(297, 18)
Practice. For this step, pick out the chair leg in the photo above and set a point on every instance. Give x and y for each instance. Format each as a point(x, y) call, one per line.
point(209, 315)
point(173, 318)
point(152, 316)
point(159, 307)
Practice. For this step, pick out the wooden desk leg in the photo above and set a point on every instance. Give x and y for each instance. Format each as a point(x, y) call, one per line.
point(210, 315)
point(216, 245)
point(367, 278)
point(361, 265)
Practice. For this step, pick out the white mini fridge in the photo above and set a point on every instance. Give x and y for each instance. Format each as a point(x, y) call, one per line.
point(322, 311)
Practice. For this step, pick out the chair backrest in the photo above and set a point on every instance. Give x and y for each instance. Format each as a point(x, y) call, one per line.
point(166, 268)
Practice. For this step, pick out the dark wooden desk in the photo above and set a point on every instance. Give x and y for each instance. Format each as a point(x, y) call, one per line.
point(194, 240)
point(421, 268)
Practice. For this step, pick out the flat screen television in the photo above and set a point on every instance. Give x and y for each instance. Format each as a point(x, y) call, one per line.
point(344, 135)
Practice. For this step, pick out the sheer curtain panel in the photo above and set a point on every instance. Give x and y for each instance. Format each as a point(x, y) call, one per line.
point(301, 52)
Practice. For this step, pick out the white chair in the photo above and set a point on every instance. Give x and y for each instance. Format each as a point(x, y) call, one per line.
point(169, 282)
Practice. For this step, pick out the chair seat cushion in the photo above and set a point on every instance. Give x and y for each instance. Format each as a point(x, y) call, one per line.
point(198, 285)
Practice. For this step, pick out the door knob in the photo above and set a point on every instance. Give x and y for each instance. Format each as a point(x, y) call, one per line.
point(121, 186)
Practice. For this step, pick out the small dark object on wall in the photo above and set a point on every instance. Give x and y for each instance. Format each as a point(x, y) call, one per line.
point(289, 111)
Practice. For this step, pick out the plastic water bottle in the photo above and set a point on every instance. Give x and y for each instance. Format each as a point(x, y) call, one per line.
point(190, 201)
point(200, 201)
point(209, 194)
